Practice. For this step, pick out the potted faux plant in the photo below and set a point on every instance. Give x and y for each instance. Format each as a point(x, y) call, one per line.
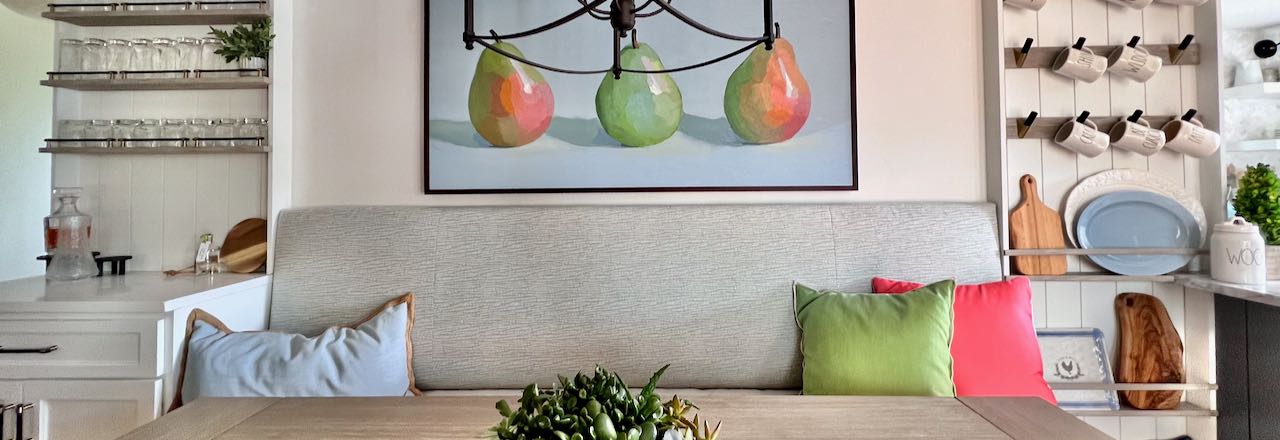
point(600, 407)
point(1258, 201)
point(250, 45)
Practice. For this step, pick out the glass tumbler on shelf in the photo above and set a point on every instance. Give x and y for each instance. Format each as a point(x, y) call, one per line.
point(118, 55)
point(70, 54)
point(172, 129)
point(225, 129)
point(167, 56)
point(209, 58)
point(188, 53)
point(144, 56)
point(71, 129)
point(255, 128)
point(93, 56)
point(66, 233)
point(148, 130)
point(199, 128)
point(123, 131)
point(100, 130)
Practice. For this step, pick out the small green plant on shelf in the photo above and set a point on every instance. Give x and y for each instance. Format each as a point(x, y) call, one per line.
point(245, 42)
point(1258, 201)
point(600, 407)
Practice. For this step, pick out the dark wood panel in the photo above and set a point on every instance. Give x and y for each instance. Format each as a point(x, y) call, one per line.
point(1264, 371)
point(1231, 337)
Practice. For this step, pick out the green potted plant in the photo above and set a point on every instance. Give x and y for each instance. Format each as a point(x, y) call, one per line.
point(250, 45)
point(1258, 201)
point(600, 407)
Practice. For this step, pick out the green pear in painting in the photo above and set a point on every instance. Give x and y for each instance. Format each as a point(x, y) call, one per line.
point(640, 110)
point(511, 104)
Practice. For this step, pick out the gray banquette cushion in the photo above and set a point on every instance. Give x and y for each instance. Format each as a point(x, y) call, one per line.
point(511, 296)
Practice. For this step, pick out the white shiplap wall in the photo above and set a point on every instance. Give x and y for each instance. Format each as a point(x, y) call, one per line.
point(156, 207)
point(1172, 91)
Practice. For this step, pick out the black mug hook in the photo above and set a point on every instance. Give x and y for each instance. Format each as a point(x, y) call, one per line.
point(1079, 44)
point(1137, 114)
point(1024, 125)
point(1176, 51)
point(1133, 42)
point(1084, 117)
point(1191, 114)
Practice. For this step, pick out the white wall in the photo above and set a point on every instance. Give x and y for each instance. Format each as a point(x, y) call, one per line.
point(358, 120)
point(26, 53)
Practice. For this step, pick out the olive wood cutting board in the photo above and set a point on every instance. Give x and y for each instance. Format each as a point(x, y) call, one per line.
point(1150, 351)
point(1033, 225)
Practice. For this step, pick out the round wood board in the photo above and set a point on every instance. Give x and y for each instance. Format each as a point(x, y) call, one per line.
point(245, 248)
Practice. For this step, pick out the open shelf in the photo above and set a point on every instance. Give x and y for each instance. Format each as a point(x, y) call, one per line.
point(157, 150)
point(1122, 251)
point(212, 83)
point(1255, 146)
point(1270, 90)
point(1103, 277)
point(159, 18)
point(1134, 386)
point(1183, 410)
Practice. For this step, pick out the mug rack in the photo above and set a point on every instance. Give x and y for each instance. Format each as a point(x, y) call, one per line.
point(1035, 126)
point(1185, 53)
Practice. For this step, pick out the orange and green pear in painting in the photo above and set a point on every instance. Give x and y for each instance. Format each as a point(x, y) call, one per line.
point(510, 103)
point(767, 99)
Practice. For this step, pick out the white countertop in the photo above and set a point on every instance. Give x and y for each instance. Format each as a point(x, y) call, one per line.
point(1268, 294)
point(132, 293)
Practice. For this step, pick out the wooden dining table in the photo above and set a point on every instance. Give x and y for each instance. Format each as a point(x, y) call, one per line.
point(745, 417)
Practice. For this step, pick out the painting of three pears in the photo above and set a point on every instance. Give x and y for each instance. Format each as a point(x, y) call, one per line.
point(767, 99)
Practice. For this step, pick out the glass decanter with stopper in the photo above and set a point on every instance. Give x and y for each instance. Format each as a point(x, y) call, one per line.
point(66, 234)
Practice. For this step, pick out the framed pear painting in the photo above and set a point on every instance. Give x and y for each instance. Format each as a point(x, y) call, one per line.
point(640, 95)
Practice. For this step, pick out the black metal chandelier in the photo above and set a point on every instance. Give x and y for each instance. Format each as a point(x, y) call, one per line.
point(622, 16)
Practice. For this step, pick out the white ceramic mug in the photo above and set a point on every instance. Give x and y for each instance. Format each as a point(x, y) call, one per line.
point(1034, 5)
point(1134, 62)
point(1083, 137)
point(1080, 63)
point(1135, 4)
point(1183, 2)
point(1189, 136)
point(1136, 134)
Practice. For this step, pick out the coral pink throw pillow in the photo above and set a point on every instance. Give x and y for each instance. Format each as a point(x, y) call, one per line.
point(994, 347)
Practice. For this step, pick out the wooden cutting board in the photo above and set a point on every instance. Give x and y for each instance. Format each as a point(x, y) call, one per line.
point(1150, 351)
point(1032, 225)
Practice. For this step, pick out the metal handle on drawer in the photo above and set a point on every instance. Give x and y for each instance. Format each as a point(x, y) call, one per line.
point(45, 350)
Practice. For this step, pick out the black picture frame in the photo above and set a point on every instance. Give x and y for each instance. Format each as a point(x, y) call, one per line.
point(426, 103)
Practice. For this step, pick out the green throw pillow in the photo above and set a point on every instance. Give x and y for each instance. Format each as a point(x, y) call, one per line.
point(877, 345)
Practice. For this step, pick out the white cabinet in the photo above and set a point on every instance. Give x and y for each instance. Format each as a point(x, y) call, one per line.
point(118, 343)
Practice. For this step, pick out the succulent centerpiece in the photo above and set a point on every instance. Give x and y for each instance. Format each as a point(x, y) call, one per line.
point(600, 407)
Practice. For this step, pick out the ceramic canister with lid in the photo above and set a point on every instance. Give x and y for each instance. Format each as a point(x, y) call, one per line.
point(1238, 252)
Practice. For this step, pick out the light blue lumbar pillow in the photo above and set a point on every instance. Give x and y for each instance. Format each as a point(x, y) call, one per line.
point(371, 358)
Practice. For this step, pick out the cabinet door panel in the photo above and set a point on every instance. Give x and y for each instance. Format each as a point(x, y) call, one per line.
point(91, 410)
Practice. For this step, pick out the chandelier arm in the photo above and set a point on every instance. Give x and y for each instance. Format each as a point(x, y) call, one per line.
point(640, 10)
point(699, 65)
point(595, 13)
point(546, 27)
point(540, 65)
point(666, 6)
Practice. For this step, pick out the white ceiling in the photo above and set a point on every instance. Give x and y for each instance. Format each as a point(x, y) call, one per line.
point(33, 7)
point(1244, 14)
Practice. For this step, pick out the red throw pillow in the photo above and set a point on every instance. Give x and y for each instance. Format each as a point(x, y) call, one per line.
point(994, 347)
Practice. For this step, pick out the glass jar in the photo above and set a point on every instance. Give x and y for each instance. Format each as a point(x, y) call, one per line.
point(172, 129)
point(144, 57)
point(199, 128)
point(70, 54)
point(252, 128)
point(71, 129)
point(119, 54)
point(67, 232)
point(94, 55)
point(188, 53)
point(209, 58)
point(123, 131)
point(167, 56)
point(100, 131)
point(148, 130)
point(224, 130)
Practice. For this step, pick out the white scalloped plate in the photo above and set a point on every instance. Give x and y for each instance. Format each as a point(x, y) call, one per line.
point(1111, 181)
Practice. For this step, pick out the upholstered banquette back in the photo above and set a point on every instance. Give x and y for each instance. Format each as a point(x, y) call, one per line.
point(511, 296)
